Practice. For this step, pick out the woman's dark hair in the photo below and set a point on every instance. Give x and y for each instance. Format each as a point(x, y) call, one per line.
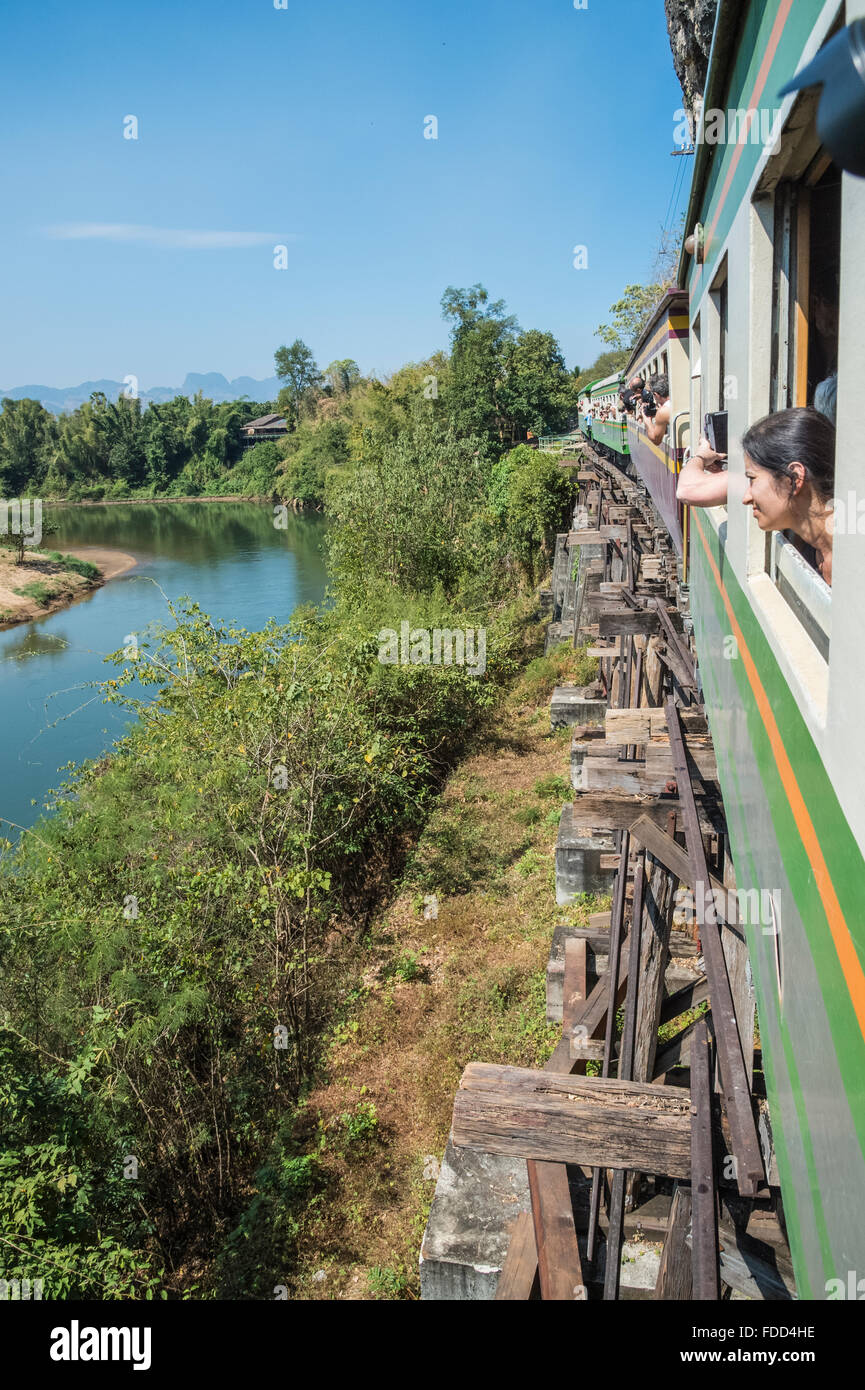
point(801, 435)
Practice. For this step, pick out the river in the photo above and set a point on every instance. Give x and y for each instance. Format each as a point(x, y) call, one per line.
point(227, 556)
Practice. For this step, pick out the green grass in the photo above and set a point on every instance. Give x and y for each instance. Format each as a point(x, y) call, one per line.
point(40, 590)
point(73, 564)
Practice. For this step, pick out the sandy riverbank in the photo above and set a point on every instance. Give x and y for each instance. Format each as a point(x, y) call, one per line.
point(50, 586)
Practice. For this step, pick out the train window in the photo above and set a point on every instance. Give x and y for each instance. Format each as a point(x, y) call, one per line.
point(697, 376)
point(718, 348)
point(806, 264)
point(806, 284)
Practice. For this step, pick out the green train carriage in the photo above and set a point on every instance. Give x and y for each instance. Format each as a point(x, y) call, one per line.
point(609, 435)
point(777, 236)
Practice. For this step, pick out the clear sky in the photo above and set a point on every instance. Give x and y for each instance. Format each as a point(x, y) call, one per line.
point(304, 126)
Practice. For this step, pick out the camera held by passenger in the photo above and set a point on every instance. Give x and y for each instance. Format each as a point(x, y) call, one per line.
point(650, 407)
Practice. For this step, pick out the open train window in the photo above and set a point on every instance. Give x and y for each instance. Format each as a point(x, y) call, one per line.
point(804, 355)
point(806, 288)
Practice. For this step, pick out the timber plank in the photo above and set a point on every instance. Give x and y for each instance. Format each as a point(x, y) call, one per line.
point(616, 811)
point(674, 1276)
point(558, 1255)
point(645, 725)
point(561, 1119)
point(518, 1280)
point(704, 1224)
point(617, 622)
point(665, 848)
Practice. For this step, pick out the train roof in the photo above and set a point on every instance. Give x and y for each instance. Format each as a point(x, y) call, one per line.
point(606, 383)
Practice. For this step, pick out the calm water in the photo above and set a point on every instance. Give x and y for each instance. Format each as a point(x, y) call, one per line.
point(227, 556)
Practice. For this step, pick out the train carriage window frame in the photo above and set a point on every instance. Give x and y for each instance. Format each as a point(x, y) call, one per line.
point(805, 223)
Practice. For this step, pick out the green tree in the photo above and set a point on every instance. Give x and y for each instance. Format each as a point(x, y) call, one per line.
point(342, 376)
point(27, 432)
point(602, 367)
point(296, 366)
point(630, 314)
point(481, 333)
point(538, 392)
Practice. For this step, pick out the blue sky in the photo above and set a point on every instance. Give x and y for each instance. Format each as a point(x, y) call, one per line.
point(304, 126)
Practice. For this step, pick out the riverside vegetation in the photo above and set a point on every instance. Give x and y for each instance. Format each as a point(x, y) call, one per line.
point(213, 924)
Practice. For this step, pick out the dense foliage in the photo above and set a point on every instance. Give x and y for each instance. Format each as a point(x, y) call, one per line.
point(497, 382)
point(167, 932)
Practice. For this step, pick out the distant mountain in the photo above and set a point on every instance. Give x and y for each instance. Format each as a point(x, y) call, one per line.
point(213, 385)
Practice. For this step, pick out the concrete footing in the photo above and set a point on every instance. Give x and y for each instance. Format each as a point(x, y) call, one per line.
point(576, 704)
point(478, 1198)
point(578, 861)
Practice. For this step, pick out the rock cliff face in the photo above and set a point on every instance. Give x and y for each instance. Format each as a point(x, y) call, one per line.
point(691, 24)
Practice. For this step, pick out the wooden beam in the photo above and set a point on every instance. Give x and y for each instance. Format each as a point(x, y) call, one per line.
point(686, 998)
point(753, 1268)
point(654, 959)
point(613, 622)
point(676, 1052)
point(598, 535)
point(658, 757)
point(665, 848)
point(555, 1246)
point(625, 1073)
point(592, 1020)
point(559, 1266)
point(518, 1281)
point(615, 811)
point(628, 776)
point(645, 725)
point(597, 939)
point(674, 1274)
point(586, 1121)
point(737, 1091)
point(704, 1224)
point(574, 989)
point(617, 917)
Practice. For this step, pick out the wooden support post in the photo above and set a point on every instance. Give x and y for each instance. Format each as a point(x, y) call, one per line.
point(704, 1228)
point(737, 1092)
point(626, 1070)
point(616, 920)
point(654, 954)
point(665, 848)
point(674, 1276)
point(518, 1281)
point(546, 1256)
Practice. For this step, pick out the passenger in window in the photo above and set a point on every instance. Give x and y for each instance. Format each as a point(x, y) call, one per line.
point(826, 397)
point(790, 472)
point(703, 479)
point(657, 415)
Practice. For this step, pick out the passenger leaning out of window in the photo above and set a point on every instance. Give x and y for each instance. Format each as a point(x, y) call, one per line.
point(657, 409)
point(790, 472)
